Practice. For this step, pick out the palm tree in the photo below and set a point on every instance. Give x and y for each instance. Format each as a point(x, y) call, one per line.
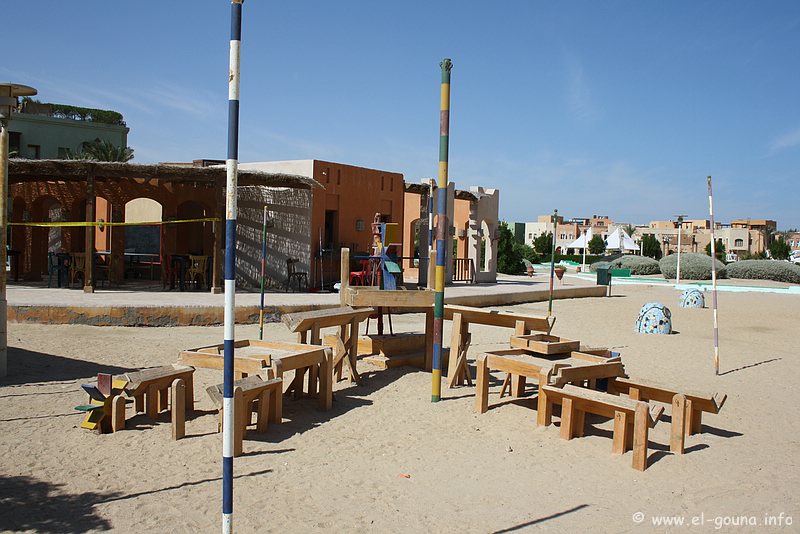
point(629, 229)
point(99, 150)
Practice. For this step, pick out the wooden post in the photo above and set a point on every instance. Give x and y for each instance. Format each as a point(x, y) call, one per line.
point(262, 420)
point(482, 384)
point(88, 273)
point(178, 409)
point(240, 421)
point(567, 418)
point(326, 381)
point(456, 340)
point(678, 427)
point(344, 274)
point(621, 430)
point(118, 413)
point(641, 428)
point(151, 401)
point(544, 410)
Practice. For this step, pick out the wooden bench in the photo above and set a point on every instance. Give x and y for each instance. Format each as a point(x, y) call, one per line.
point(345, 346)
point(463, 316)
point(150, 387)
point(632, 419)
point(251, 394)
point(687, 407)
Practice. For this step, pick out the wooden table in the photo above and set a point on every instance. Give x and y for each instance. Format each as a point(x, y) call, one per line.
point(554, 370)
point(345, 344)
point(270, 359)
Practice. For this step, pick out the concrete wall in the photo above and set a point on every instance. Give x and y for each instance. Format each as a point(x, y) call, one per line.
point(50, 134)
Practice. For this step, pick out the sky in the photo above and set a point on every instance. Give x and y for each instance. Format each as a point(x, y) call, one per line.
point(618, 108)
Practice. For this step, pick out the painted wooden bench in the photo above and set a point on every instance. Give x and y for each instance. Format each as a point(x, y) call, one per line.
point(687, 407)
point(463, 316)
point(632, 419)
point(250, 394)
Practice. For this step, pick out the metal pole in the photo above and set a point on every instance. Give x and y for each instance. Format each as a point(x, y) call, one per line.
point(441, 230)
point(678, 274)
point(713, 279)
point(4, 218)
point(263, 276)
point(552, 263)
point(231, 213)
point(585, 246)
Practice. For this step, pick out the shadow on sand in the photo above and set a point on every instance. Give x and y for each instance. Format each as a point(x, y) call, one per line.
point(27, 367)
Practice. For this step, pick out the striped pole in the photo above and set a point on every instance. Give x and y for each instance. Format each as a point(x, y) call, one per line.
point(263, 276)
point(231, 163)
point(441, 230)
point(713, 279)
point(553, 263)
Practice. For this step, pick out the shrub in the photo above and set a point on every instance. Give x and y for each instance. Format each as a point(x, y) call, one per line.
point(596, 245)
point(599, 265)
point(780, 271)
point(638, 265)
point(780, 249)
point(650, 246)
point(693, 266)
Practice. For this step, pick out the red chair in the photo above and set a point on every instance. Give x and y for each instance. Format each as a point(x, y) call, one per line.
point(360, 278)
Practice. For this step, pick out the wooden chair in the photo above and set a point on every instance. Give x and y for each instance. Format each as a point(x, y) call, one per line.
point(198, 267)
point(77, 265)
point(293, 275)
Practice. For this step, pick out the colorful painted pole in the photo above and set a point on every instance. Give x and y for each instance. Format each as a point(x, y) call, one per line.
point(441, 230)
point(263, 276)
point(713, 279)
point(552, 263)
point(232, 164)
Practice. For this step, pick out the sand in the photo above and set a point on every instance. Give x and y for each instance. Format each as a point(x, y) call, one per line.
point(386, 459)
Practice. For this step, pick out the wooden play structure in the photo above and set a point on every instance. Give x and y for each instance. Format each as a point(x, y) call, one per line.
point(572, 379)
point(106, 409)
point(250, 395)
point(463, 316)
point(344, 343)
point(271, 359)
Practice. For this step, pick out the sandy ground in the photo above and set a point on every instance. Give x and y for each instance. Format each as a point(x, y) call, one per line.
point(345, 470)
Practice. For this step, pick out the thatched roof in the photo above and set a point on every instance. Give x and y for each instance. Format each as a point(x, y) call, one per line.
point(37, 170)
point(422, 189)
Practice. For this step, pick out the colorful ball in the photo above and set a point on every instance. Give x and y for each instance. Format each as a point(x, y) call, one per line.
point(692, 298)
point(654, 318)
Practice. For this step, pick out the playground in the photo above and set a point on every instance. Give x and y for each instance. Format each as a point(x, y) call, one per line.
point(386, 459)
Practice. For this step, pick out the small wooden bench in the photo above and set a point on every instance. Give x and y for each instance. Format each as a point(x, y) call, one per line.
point(251, 394)
point(632, 419)
point(687, 407)
point(463, 316)
point(150, 387)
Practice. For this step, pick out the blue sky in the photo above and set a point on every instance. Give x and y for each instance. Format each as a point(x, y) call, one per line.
point(615, 108)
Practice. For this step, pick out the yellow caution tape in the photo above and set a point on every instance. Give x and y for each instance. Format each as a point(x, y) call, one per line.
point(104, 223)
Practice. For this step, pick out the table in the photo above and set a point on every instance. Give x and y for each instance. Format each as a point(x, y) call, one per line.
point(271, 359)
point(555, 370)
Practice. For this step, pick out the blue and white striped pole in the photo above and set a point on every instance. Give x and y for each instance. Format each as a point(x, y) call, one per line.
point(231, 163)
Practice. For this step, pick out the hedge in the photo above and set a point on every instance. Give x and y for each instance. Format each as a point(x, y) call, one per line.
point(779, 271)
point(694, 266)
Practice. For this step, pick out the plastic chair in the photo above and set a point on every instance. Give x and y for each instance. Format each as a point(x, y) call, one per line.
point(359, 278)
point(55, 266)
point(198, 266)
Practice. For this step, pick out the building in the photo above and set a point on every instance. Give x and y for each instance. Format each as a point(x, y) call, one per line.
point(56, 131)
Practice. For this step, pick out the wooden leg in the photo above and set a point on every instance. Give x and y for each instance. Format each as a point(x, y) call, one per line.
point(301, 337)
point(634, 393)
point(697, 422)
point(313, 376)
point(325, 381)
point(544, 410)
point(138, 403)
point(506, 383)
point(455, 350)
point(352, 352)
point(517, 385)
point(262, 419)
point(580, 421)
point(151, 402)
point(621, 431)
point(276, 406)
point(519, 329)
point(163, 399)
point(612, 387)
point(640, 435)
point(178, 409)
point(482, 385)
point(189, 379)
point(567, 418)
point(239, 421)
point(678, 426)
point(118, 413)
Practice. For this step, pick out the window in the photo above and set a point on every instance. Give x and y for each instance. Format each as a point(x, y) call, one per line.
point(34, 151)
point(562, 236)
point(739, 243)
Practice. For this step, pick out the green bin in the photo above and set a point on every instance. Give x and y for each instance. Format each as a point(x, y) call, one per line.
point(603, 276)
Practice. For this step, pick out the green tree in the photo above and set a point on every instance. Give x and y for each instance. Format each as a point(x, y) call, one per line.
point(543, 244)
point(651, 247)
point(719, 248)
point(629, 229)
point(99, 150)
point(779, 249)
point(509, 257)
point(596, 245)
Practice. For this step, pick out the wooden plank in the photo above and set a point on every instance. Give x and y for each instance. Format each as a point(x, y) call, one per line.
point(482, 385)
point(240, 421)
point(248, 365)
point(567, 375)
point(589, 357)
point(326, 381)
point(366, 296)
point(567, 418)
point(262, 419)
point(705, 402)
point(499, 318)
point(622, 428)
point(302, 321)
point(178, 409)
point(544, 343)
point(518, 385)
point(117, 413)
point(396, 360)
point(544, 412)
point(456, 341)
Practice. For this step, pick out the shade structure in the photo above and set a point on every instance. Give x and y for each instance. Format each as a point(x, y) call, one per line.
point(582, 241)
point(619, 240)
